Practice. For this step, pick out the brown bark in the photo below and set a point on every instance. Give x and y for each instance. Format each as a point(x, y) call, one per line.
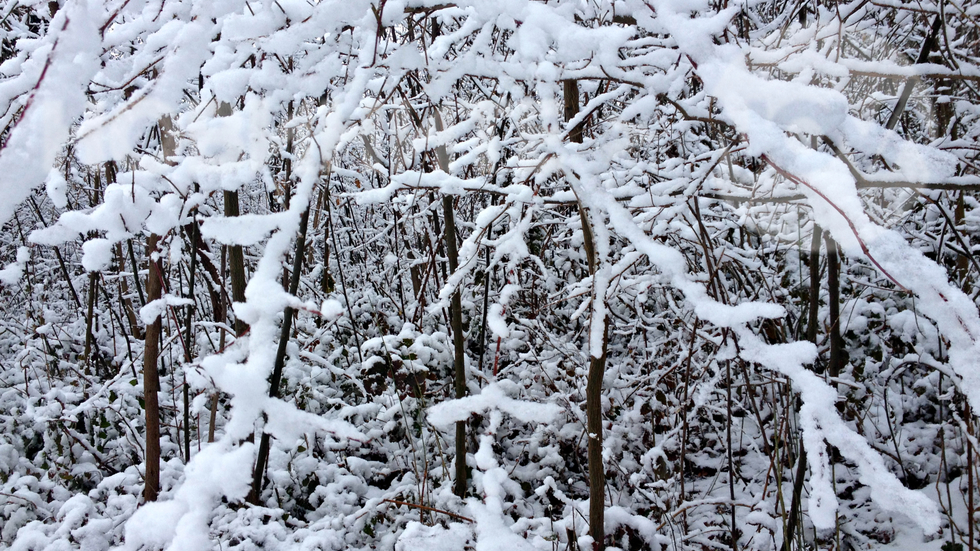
point(456, 322)
point(833, 288)
point(811, 328)
point(236, 257)
point(189, 335)
point(795, 511)
point(593, 413)
point(571, 109)
point(93, 280)
point(593, 405)
point(258, 474)
point(236, 262)
point(151, 349)
point(219, 314)
point(597, 364)
point(151, 378)
point(462, 474)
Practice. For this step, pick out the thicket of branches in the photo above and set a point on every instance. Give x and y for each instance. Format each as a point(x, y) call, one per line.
point(676, 274)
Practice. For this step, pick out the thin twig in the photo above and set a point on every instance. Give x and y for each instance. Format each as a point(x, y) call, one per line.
point(864, 247)
point(434, 510)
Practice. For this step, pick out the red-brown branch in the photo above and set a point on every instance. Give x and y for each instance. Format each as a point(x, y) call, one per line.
point(864, 247)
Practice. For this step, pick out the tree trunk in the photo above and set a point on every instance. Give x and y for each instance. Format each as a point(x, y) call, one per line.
point(93, 281)
point(571, 109)
point(597, 472)
point(151, 350)
point(457, 326)
point(833, 288)
point(456, 305)
point(258, 474)
point(795, 510)
point(236, 257)
point(593, 406)
point(597, 364)
point(189, 335)
point(236, 262)
point(151, 378)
